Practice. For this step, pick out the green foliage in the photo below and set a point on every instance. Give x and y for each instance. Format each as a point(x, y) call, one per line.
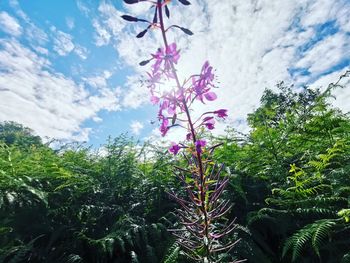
point(290, 174)
point(73, 205)
point(289, 182)
point(309, 196)
point(14, 133)
point(345, 213)
point(314, 233)
point(172, 254)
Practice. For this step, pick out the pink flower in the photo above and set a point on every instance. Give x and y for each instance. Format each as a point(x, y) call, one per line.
point(206, 73)
point(222, 113)
point(164, 126)
point(154, 99)
point(170, 55)
point(164, 105)
point(210, 96)
point(209, 122)
point(175, 148)
point(199, 144)
point(169, 103)
point(172, 109)
point(159, 56)
point(153, 79)
point(202, 84)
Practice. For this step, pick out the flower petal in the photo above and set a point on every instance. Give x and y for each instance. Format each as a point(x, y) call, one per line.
point(210, 96)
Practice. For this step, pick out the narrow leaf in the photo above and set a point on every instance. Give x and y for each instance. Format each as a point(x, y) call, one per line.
point(142, 33)
point(155, 18)
point(145, 62)
point(129, 18)
point(130, 2)
point(185, 30)
point(167, 12)
point(184, 2)
point(142, 20)
point(173, 119)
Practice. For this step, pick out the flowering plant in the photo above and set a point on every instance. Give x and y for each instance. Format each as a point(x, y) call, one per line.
point(202, 215)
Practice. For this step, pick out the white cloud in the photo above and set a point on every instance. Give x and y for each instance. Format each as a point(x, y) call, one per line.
point(70, 22)
point(137, 10)
point(81, 51)
point(326, 53)
point(50, 103)
point(33, 33)
point(134, 94)
point(136, 127)
point(111, 18)
point(102, 36)
point(252, 44)
point(97, 119)
point(98, 81)
point(9, 24)
point(41, 50)
point(63, 42)
point(108, 24)
point(83, 8)
point(318, 12)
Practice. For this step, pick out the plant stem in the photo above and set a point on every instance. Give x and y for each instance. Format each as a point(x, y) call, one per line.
point(202, 180)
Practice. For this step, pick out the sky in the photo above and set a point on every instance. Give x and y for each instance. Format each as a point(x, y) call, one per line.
point(69, 69)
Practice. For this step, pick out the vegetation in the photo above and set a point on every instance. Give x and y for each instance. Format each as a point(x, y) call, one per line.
point(288, 180)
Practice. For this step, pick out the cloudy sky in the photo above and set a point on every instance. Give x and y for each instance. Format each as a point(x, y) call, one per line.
point(69, 68)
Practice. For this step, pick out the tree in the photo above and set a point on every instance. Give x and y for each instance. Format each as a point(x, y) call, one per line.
point(14, 133)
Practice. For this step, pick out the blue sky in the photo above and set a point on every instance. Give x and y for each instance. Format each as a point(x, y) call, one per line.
point(94, 62)
point(69, 69)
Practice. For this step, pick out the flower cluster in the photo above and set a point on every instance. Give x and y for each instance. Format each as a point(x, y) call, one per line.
point(175, 102)
point(165, 58)
point(202, 84)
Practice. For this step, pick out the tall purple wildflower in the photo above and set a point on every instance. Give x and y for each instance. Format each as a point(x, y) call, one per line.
point(204, 230)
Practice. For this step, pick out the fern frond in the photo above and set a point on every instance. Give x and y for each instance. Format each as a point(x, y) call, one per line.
point(323, 201)
point(20, 253)
point(321, 230)
point(344, 191)
point(273, 212)
point(173, 254)
point(346, 258)
point(315, 233)
point(314, 211)
point(74, 259)
point(296, 243)
point(259, 217)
